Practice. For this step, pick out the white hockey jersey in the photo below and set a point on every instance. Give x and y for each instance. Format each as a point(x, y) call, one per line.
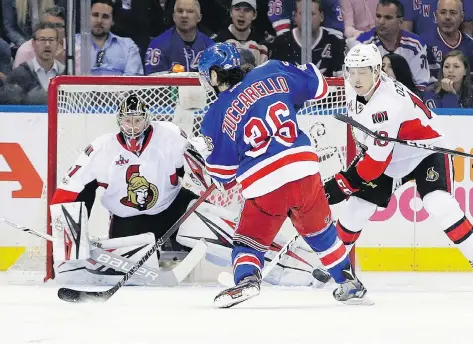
point(135, 185)
point(392, 111)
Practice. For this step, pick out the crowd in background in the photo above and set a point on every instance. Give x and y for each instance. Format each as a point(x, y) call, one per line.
point(427, 44)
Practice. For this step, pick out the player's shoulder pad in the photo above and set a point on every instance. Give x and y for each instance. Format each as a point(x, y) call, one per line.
point(169, 128)
point(99, 144)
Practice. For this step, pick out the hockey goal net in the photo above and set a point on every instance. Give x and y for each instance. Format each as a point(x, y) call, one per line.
point(83, 108)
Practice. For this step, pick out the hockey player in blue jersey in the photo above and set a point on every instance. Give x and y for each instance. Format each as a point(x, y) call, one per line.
point(252, 138)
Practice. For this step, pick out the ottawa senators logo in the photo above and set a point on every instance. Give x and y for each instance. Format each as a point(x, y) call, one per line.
point(379, 117)
point(142, 195)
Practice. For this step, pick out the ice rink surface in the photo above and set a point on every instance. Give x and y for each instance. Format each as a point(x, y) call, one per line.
point(410, 308)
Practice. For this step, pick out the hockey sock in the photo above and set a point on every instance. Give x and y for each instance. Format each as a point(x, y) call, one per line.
point(347, 236)
point(246, 262)
point(330, 250)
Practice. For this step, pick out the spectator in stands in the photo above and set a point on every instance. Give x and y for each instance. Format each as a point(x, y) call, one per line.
point(112, 54)
point(31, 78)
point(447, 36)
point(19, 16)
point(397, 68)
point(421, 18)
point(358, 16)
point(182, 44)
point(5, 59)
point(214, 15)
point(390, 38)
point(281, 12)
point(453, 88)
point(240, 32)
point(141, 20)
point(56, 16)
point(328, 49)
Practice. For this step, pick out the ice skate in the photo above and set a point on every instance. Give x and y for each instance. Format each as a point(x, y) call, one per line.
point(248, 288)
point(321, 276)
point(352, 292)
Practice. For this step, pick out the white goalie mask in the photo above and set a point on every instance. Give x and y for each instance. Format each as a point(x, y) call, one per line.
point(133, 117)
point(362, 68)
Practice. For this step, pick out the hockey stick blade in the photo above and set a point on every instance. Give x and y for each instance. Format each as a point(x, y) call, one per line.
point(226, 278)
point(359, 126)
point(165, 278)
point(71, 295)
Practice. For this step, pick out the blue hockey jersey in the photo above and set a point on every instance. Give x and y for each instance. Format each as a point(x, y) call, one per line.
point(438, 48)
point(252, 128)
point(169, 49)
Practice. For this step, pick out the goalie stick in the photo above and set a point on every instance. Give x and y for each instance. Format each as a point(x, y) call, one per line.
point(359, 126)
point(226, 278)
point(161, 278)
point(72, 295)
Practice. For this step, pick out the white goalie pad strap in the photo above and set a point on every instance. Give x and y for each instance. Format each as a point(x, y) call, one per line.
point(70, 231)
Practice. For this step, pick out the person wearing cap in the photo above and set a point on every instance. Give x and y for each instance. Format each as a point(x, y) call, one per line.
point(240, 32)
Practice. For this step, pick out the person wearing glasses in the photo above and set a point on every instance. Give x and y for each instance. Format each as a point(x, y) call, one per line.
point(28, 83)
point(110, 54)
point(388, 36)
point(56, 16)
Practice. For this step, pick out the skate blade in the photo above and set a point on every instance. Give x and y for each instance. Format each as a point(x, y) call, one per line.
point(364, 301)
point(225, 300)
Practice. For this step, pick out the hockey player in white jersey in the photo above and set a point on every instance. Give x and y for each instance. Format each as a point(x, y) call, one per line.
point(141, 169)
point(387, 107)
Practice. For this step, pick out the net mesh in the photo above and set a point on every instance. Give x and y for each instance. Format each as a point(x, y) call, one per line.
point(83, 108)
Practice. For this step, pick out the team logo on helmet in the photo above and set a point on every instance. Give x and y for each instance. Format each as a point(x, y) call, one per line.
point(142, 195)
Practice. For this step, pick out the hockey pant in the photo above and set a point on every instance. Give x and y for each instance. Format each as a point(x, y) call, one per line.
point(217, 226)
point(304, 202)
point(434, 179)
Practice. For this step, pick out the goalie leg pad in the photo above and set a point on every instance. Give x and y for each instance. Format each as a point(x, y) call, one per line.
point(114, 258)
point(70, 232)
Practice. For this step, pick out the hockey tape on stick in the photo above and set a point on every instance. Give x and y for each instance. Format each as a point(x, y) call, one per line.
point(116, 262)
point(72, 295)
point(375, 135)
point(226, 278)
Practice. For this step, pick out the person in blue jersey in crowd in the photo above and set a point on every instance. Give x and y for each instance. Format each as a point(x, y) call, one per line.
point(251, 137)
point(182, 44)
point(453, 88)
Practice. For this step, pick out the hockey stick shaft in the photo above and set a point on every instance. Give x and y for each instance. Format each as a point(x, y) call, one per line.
point(27, 230)
point(415, 144)
point(71, 295)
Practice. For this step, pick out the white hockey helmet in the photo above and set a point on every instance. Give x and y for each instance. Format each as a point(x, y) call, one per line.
point(364, 55)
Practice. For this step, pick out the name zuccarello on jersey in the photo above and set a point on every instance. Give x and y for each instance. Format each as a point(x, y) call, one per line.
point(250, 95)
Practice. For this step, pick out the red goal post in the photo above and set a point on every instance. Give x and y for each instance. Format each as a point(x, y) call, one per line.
point(80, 108)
